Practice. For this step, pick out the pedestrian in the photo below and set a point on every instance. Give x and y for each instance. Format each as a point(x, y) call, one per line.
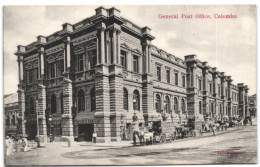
point(24, 144)
point(19, 144)
point(7, 146)
point(94, 136)
point(213, 129)
point(134, 137)
point(141, 137)
point(226, 126)
point(11, 141)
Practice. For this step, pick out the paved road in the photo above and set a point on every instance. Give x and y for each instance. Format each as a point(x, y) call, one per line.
point(238, 146)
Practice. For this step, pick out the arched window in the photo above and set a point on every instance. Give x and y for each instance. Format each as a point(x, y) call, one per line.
point(167, 104)
point(183, 106)
point(175, 105)
point(93, 99)
point(61, 103)
point(53, 104)
point(158, 103)
point(7, 120)
point(125, 98)
point(31, 106)
point(136, 100)
point(13, 120)
point(200, 107)
point(81, 100)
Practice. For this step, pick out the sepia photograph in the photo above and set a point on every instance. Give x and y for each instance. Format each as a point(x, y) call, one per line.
point(123, 85)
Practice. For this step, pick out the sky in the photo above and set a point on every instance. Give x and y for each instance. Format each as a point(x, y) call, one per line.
point(228, 44)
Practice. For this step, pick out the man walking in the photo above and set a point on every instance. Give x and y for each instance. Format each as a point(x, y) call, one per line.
point(94, 136)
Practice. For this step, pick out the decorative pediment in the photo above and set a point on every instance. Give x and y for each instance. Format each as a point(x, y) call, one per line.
point(124, 45)
point(51, 58)
point(60, 55)
point(92, 44)
point(137, 51)
point(35, 64)
point(28, 66)
point(79, 49)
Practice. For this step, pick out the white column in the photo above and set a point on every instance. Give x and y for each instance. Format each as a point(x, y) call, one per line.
point(102, 44)
point(118, 46)
point(41, 64)
point(68, 52)
point(114, 47)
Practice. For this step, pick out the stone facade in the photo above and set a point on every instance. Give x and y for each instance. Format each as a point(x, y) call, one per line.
point(103, 75)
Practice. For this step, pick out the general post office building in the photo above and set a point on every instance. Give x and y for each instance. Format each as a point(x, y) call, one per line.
point(103, 75)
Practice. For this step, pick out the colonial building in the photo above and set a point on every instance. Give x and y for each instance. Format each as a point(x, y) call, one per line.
point(253, 105)
point(103, 74)
point(11, 114)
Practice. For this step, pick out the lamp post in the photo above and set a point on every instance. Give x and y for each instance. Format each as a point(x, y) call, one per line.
point(50, 132)
point(135, 118)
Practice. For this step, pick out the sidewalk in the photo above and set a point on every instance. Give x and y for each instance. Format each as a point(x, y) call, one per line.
point(121, 144)
point(130, 143)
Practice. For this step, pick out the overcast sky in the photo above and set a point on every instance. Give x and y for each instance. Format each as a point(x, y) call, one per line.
point(228, 44)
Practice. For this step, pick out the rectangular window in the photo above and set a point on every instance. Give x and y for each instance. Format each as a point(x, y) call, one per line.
point(52, 70)
point(210, 88)
point(80, 63)
point(61, 67)
point(168, 75)
point(200, 84)
point(176, 78)
point(135, 64)
point(183, 81)
point(219, 90)
point(35, 78)
point(123, 59)
point(158, 73)
point(93, 58)
point(30, 76)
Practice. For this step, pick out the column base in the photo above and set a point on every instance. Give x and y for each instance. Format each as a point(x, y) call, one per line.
point(43, 139)
point(103, 139)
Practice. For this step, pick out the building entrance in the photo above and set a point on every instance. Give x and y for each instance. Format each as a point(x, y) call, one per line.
point(31, 129)
point(85, 132)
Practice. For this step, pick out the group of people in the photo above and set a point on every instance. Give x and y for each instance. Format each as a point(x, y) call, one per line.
point(12, 146)
point(142, 137)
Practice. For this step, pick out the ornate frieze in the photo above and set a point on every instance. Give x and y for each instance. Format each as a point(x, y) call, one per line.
point(84, 38)
point(130, 39)
point(31, 64)
point(55, 49)
point(31, 58)
point(55, 56)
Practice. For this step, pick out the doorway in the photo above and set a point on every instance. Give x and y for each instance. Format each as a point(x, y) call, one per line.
point(31, 129)
point(85, 132)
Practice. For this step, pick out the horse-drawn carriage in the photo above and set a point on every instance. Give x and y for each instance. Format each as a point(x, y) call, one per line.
point(164, 131)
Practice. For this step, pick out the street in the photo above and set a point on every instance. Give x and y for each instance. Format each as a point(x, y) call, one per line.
point(237, 146)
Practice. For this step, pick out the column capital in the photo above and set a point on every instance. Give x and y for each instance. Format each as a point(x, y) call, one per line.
point(101, 26)
point(41, 50)
point(67, 40)
point(20, 58)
